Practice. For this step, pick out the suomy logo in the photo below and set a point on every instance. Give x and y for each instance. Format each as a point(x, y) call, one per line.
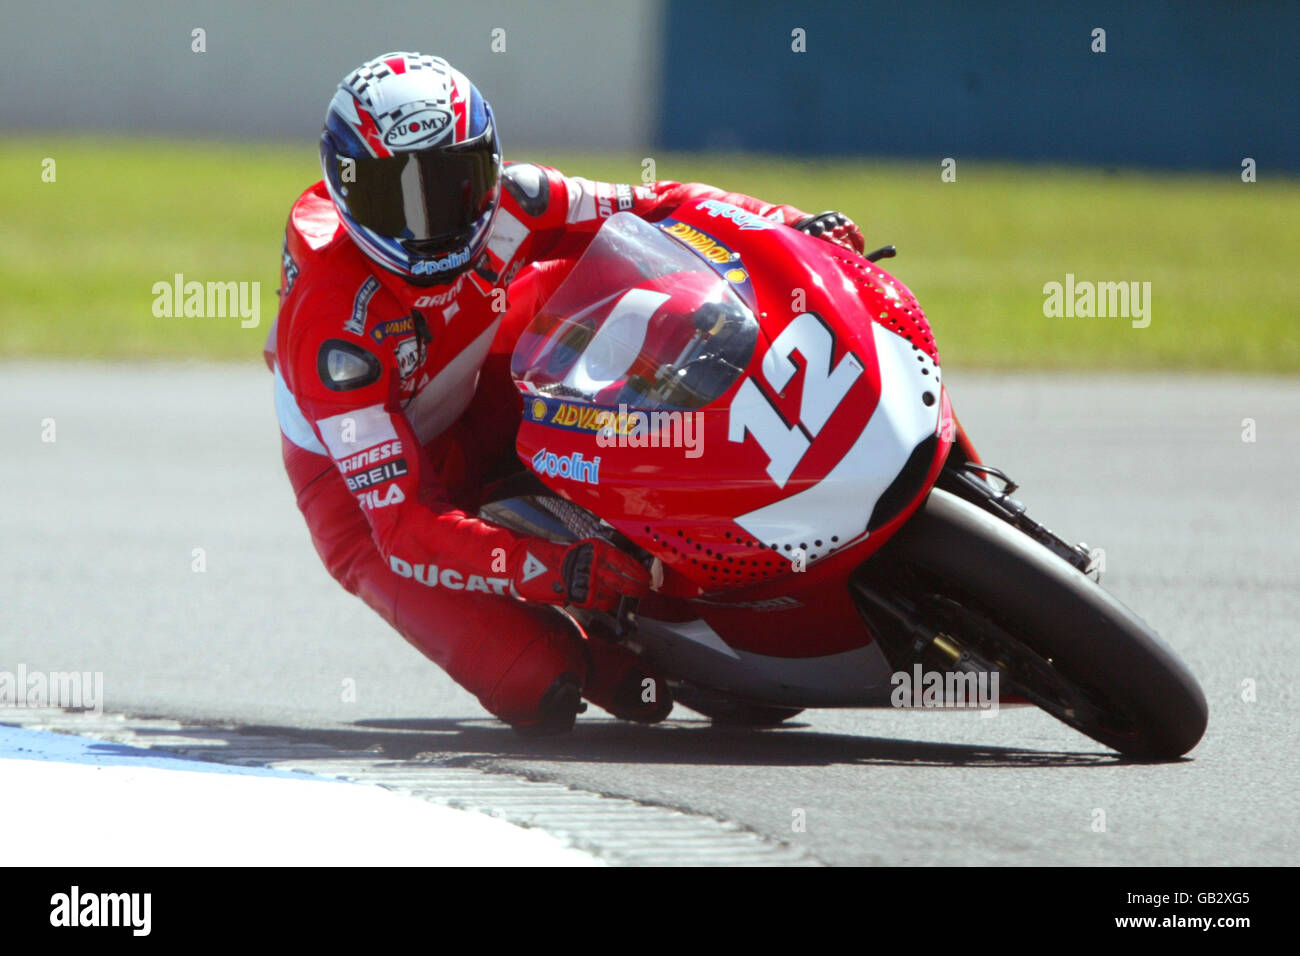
point(419, 129)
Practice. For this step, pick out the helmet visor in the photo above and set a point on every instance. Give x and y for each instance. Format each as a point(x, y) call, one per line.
point(432, 197)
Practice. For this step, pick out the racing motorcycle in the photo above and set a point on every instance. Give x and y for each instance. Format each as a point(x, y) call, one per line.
point(760, 416)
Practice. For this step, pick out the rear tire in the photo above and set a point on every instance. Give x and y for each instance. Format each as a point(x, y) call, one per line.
point(1153, 707)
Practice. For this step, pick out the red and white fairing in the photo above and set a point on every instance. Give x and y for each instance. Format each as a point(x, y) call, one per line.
point(812, 453)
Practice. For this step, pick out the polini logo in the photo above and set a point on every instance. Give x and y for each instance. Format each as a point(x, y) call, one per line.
point(453, 260)
point(573, 467)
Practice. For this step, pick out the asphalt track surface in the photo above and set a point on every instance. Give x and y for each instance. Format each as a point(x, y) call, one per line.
point(1202, 537)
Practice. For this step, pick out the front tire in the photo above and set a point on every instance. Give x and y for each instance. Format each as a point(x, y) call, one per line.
point(1141, 700)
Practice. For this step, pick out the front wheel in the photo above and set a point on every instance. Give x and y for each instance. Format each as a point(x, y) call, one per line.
point(984, 591)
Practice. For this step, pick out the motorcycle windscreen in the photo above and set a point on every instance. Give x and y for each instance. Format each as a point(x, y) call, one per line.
point(641, 321)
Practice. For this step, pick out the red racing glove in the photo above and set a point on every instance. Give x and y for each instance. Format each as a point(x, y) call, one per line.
point(591, 574)
point(834, 227)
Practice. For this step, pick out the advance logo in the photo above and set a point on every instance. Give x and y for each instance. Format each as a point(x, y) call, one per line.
point(573, 467)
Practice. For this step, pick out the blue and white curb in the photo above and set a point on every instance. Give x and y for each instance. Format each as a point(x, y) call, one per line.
point(226, 793)
point(76, 801)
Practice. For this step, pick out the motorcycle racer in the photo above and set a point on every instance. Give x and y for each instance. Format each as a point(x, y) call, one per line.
point(408, 273)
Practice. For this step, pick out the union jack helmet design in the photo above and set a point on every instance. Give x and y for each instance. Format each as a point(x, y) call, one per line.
point(410, 157)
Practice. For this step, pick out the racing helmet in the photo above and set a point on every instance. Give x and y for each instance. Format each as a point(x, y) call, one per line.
point(410, 158)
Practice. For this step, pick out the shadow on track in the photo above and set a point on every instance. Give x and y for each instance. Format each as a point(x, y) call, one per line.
point(405, 746)
point(464, 742)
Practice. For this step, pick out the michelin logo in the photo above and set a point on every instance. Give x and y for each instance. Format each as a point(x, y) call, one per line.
point(572, 466)
point(357, 323)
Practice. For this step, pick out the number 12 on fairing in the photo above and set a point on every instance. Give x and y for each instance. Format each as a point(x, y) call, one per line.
point(823, 390)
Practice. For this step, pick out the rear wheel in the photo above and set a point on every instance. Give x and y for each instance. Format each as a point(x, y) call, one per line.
point(958, 585)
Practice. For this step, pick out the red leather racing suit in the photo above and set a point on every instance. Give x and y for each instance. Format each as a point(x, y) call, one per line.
point(395, 402)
